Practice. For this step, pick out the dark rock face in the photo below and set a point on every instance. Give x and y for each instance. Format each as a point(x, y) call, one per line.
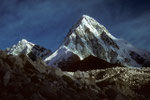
point(89, 63)
point(23, 79)
point(107, 40)
point(139, 59)
point(64, 65)
point(40, 51)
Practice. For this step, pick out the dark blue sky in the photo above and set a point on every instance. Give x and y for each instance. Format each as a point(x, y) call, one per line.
point(46, 22)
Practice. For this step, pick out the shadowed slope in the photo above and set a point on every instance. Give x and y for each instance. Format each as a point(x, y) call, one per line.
point(89, 63)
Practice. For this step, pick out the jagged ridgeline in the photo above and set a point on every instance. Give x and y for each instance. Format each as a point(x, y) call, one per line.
point(87, 41)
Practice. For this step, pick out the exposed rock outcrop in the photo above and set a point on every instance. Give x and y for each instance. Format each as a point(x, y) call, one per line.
point(23, 79)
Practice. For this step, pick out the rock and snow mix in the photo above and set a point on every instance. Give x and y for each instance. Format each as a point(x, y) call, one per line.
point(88, 37)
point(29, 49)
point(24, 74)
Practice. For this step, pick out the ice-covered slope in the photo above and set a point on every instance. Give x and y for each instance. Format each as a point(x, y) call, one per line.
point(29, 49)
point(60, 55)
point(88, 37)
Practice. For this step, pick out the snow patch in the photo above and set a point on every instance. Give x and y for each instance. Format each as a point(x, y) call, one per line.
point(61, 54)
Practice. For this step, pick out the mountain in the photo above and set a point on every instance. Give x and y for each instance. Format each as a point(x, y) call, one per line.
point(87, 37)
point(31, 50)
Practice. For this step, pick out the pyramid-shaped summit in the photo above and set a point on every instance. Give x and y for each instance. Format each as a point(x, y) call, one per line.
point(88, 37)
point(87, 23)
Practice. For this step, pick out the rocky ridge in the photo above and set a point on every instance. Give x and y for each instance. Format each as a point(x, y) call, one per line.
point(23, 79)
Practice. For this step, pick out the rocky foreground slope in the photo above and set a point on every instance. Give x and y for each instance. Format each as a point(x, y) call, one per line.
point(23, 79)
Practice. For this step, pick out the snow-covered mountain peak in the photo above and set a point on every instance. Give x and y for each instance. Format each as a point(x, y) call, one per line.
point(29, 49)
point(24, 41)
point(20, 47)
point(85, 16)
point(88, 37)
point(88, 19)
point(85, 35)
point(83, 21)
point(88, 26)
